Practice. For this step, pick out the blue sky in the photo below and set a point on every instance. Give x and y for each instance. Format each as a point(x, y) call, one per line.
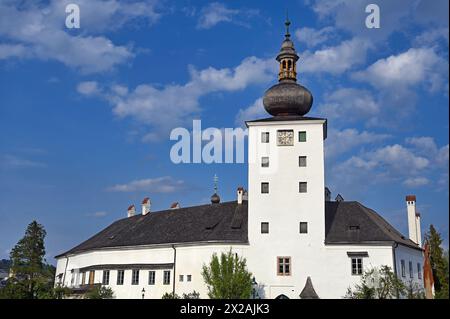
point(85, 114)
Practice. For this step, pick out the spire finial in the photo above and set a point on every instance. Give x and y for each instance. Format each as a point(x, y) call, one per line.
point(287, 24)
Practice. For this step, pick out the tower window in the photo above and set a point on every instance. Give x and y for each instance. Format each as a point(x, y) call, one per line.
point(265, 137)
point(302, 136)
point(264, 228)
point(265, 188)
point(283, 266)
point(135, 277)
point(357, 266)
point(302, 161)
point(303, 227)
point(303, 187)
point(189, 277)
point(181, 278)
point(265, 162)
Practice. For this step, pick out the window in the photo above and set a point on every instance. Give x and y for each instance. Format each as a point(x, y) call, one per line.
point(105, 280)
point(411, 271)
point(189, 278)
point(120, 276)
point(419, 271)
point(302, 161)
point(264, 228)
point(303, 228)
point(264, 162)
point(166, 277)
point(402, 263)
point(83, 278)
point(181, 277)
point(285, 137)
point(284, 266)
point(357, 266)
point(135, 277)
point(151, 277)
point(303, 187)
point(302, 136)
point(265, 188)
point(265, 137)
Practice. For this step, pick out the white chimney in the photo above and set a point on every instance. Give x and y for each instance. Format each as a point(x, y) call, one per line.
point(240, 195)
point(131, 211)
point(413, 220)
point(146, 204)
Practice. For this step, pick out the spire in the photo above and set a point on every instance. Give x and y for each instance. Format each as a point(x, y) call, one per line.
point(287, 23)
point(287, 57)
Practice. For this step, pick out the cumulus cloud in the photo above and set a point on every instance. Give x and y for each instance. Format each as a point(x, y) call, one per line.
point(416, 181)
point(88, 88)
point(174, 105)
point(12, 161)
point(165, 184)
point(216, 12)
point(413, 67)
point(252, 112)
point(36, 30)
point(313, 37)
point(336, 59)
point(349, 105)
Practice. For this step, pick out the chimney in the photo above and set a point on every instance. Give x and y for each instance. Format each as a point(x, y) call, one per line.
point(146, 204)
point(327, 194)
point(413, 220)
point(131, 211)
point(175, 205)
point(240, 195)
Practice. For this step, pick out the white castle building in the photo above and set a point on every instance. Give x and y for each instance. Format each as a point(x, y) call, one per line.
point(297, 241)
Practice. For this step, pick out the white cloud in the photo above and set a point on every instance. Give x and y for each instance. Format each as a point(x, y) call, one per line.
point(98, 214)
point(340, 142)
point(337, 59)
point(313, 37)
point(349, 105)
point(431, 36)
point(215, 13)
point(173, 105)
point(40, 29)
point(413, 67)
point(416, 182)
point(13, 161)
point(252, 112)
point(165, 184)
point(88, 88)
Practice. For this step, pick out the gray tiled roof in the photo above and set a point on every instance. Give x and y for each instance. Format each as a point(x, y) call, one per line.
point(227, 222)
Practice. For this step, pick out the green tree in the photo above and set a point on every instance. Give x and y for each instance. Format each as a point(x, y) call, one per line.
point(170, 295)
point(439, 263)
point(32, 277)
point(99, 292)
point(377, 284)
point(227, 277)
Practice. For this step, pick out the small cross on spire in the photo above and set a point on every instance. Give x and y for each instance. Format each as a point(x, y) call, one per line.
point(287, 24)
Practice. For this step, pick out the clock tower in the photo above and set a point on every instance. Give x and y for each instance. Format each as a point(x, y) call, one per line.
point(286, 204)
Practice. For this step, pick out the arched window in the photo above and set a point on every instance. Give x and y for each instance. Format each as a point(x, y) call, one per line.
point(289, 65)
point(284, 64)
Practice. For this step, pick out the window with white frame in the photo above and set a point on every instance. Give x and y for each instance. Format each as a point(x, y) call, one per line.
point(302, 187)
point(151, 277)
point(303, 227)
point(105, 279)
point(357, 266)
point(135, 277)
point(264, 228)
point(189, 278)
point(265, 161)
point(419, 271)
point(411, 271)
point(120, 276)
point(302, 161)
point(265, 137)
point(166, 278)
point(265, 188)
point(402, 264)
point(181, 278)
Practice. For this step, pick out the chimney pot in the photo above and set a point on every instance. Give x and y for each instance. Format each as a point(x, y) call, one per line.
point(146, 204)
point(175, 205)
point(240, 195)
point(413, 220)
point(131, 211)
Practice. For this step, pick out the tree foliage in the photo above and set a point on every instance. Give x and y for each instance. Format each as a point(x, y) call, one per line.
point(377, 284)
point(32, 277)
point(439, 263)
point(227, 277)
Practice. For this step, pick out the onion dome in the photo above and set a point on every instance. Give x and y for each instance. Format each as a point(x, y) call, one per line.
point(287, 97)
point(215, 199)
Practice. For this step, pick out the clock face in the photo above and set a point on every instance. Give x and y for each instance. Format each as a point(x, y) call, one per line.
point(285, 137)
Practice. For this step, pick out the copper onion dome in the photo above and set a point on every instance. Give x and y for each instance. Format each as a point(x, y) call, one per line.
point(287, 97)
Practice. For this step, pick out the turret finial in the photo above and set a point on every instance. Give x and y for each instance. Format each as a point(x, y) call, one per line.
point(287, 24)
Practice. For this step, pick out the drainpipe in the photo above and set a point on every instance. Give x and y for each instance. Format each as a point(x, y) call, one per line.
point(174, 268)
